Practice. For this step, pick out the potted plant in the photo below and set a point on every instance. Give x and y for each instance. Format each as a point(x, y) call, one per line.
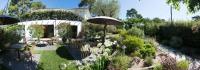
point(37, 31)
point(65, 32)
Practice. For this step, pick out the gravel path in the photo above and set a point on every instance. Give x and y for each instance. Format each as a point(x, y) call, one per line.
point(194, 63)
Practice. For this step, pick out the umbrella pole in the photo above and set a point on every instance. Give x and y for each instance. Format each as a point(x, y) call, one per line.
point(104, 34)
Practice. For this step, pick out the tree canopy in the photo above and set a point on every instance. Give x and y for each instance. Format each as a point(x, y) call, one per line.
point(105, 8)
point(37, 5)
point(19, 7)
point(101, 7)
point(134, 17)
point(132, 13)
point(158, 20)
point(192, 5)
point(86, 3)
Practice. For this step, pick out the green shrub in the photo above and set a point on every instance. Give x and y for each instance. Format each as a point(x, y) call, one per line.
point(130, 22)
point(121, 62)
point(93, 27)
point(151, 41)
point(37, 31)
point(111, 29)
point(10, 35)
point(133, 44)
point(183, 65)
point(158, 67)
point(175, 41)
point(182, 34)
point(136, 53)
point(100, 64)
point(151, 29)
point(134, 31)
point(116, 38)
point(147, 51)
point(92, 30)
point(65, 31)
point(122, 32)
point(148, 61)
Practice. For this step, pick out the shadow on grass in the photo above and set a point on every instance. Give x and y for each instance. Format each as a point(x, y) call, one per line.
point(10, 64)
point(41, 45)
point(63, 52)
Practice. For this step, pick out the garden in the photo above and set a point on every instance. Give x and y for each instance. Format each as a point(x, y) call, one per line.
point(55, 60)
point(103, 43)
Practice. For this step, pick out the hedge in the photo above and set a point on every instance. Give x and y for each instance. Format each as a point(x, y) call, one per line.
point(46, 15)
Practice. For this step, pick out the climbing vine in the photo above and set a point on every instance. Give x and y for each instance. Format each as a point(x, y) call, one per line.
point(46, 15)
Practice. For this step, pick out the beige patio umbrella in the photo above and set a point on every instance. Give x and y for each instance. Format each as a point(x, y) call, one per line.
point(104, 20)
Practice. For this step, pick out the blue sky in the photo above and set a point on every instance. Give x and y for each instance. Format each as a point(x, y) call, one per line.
point(148, 8)
point(3, 3)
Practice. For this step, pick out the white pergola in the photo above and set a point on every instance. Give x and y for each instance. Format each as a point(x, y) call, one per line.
point(49, 22)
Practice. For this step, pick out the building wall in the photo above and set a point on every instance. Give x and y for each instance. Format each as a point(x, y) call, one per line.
point(49, 22)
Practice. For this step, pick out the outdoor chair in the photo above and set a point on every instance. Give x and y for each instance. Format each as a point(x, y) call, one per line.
point(50, 42)
point(54, 40)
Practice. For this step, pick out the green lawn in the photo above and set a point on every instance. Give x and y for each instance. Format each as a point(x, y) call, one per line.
point(50, 60)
